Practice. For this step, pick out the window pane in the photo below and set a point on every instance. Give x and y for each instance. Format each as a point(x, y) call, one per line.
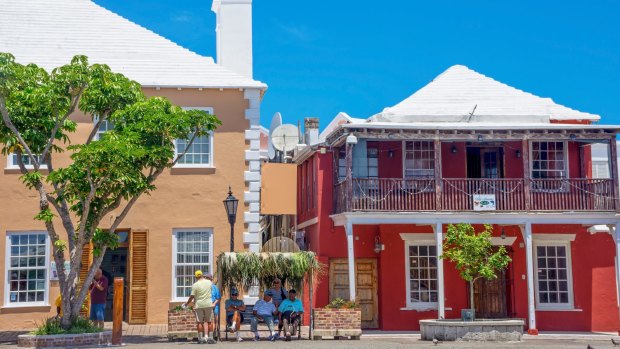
point(198, 153)
point(27, 270)
point(553, 287)
point(423, 273)
point(193, 253)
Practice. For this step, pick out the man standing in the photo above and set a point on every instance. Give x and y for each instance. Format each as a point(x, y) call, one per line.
point(201, 293)
point(215, 299)
point(290, 310)
point(98, 296)
point(263, 311)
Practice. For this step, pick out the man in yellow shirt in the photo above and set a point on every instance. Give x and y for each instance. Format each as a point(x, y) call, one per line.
point(201, 293)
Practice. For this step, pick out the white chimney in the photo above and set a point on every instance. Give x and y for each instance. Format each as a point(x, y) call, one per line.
point(234, 35)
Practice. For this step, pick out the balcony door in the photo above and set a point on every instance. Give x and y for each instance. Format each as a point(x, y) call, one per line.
point(485, 162)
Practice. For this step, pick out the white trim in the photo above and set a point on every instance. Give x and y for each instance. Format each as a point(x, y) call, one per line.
point(173, 296)
point(553, 238)
point(420, 238)
point(7, 261)
point(517, 218)
point(569, 270)
point(420, 306)
point(507, 241)
point(308, 223)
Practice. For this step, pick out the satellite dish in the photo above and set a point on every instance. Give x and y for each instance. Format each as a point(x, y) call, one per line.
point(275, 122)
point(285, 137)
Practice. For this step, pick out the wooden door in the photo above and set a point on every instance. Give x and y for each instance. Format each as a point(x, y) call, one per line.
point(366, 286)
point(138, 271)
point(489, 162)
point(490, 297)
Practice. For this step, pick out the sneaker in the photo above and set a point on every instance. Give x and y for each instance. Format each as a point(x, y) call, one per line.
point(201, 340)
point(239, 339)
point(288, 337)
point(256, 338)
point(272, 338)
point(276, 336)
point(210, 341)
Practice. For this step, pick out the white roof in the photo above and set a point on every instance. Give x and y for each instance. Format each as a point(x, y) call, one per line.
point(341, 119)
point(50, 32)
point(460, 94)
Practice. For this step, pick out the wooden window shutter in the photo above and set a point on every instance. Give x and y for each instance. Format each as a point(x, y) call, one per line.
point(138, 261)
point(85, 263)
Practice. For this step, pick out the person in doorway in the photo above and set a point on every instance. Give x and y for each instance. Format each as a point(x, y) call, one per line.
point(203, 306)
point(215, 300)
point(264, 311)
point(98, 297)
point(234, 313)
point(279, 294)
point(290, 310)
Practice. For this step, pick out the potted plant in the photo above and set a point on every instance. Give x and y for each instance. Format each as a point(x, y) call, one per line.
point(474, 257)
point(339, 318)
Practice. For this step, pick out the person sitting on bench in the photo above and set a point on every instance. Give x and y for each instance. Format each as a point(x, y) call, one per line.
point(234, 312)
point(263, 311)
point(290, 310)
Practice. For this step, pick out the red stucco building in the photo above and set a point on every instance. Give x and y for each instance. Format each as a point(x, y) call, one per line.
point(376, 195)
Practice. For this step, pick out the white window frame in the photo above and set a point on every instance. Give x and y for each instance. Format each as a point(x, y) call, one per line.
point(211, 163)
point(413, 239)
point(563, 240)
point(566, 164)
point(404, 160)
point(10, 164)
point(175, 231)
point(99, 133)
point(7, 261)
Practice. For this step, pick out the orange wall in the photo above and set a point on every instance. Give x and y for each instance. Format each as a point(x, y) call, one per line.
point(185, 198)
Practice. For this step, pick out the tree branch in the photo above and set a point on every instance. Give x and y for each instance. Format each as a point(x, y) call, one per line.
point(7, 121)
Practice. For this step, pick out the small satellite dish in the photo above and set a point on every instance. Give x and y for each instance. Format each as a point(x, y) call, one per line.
point(275, 122)
point(285, 137)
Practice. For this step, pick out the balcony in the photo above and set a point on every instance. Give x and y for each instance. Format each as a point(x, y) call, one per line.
point(479, 194)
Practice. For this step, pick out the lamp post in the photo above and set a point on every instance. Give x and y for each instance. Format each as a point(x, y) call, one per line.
point(230, 204)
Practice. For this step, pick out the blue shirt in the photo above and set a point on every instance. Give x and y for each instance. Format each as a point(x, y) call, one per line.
point(288, 305)
point(233, 302)
point(215, 295)
point(264, 308)
point(278, 295)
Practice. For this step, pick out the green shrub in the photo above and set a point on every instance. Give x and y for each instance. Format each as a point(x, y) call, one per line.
point(52, 325)
point(340, 303)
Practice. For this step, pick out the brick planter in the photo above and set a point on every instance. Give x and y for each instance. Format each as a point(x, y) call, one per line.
point(337, 323)
point(182, 324)
point(65, 340)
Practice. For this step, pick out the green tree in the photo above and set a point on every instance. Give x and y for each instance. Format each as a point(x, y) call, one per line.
point(473, 254)
point(105, 176)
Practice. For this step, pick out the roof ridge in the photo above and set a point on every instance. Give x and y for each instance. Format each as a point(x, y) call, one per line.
point(168, 41)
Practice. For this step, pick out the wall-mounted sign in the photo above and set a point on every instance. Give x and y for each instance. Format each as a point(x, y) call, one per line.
point(54, 272)
point(484, 202)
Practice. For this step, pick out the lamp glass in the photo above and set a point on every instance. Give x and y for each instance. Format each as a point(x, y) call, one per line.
point(230, 204)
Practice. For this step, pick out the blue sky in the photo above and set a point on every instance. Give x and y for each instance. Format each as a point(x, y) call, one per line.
point(321, 57)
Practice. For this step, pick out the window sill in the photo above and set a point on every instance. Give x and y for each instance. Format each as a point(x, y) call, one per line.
point(180, 170)
point(559, 309)
point(28, 306)
point(16, 170)
point(421, 308)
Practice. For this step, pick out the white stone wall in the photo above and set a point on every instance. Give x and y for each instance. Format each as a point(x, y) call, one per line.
point(251, 237)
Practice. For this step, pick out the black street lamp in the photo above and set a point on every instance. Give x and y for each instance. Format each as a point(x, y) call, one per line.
point(230, 204)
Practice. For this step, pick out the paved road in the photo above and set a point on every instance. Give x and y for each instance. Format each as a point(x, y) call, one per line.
point(380, 343)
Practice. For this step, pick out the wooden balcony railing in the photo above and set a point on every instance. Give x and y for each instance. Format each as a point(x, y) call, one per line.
point(457, 194)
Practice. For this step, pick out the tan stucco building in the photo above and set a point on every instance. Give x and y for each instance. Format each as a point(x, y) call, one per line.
point(182, 226)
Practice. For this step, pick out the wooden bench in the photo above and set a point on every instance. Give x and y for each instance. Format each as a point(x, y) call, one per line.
point(247, 318)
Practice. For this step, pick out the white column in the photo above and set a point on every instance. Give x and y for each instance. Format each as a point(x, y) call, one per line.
point(616, 236)
point(440, 287)
point(529, 255)
point(351, 255)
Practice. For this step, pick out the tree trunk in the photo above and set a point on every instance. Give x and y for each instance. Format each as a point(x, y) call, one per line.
point(471, 295)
